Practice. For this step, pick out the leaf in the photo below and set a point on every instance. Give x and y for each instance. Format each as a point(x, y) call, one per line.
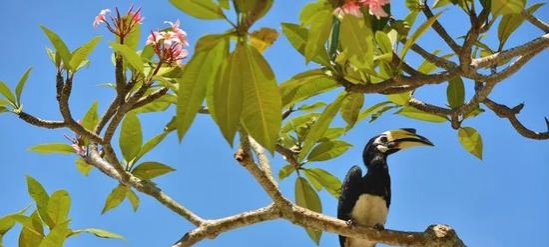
point(100, 233)
point(299, 121)
point(149, 145)
point(414, 113)
point(263, 38)
point(331, 183)
point(261, 114)
point(311, 107)
point(285, 171)
point(509, 23)
point(306, 196)
point(5, 90)
point(92, 117)
point(351, 108)
point(471, 140)
point(41, 198)
point(56, 237)
point(305, 85)
point(455, 92)
point(130, 56)
point(201, 70)
point(83, 167)
point(132, 39)
point(133, 198)
point(417, 34)
point(298, 35)
point(149, 170)
point(202, 9)
point(59, 205)
point(328, 150)
point(226, 98)
point(385, 46)
point(60, 46)
point(320, 25)
point(117, 196)
point(505, 7)
point(21, 85)
point(321, 125)
point(131, 136)
point(400, 98)
point(60, 148)
point(357, 40)
point(82, 53)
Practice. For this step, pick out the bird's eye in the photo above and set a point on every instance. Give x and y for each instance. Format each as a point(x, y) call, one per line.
point(383, 139)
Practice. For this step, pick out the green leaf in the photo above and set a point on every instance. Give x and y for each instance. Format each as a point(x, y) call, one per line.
point(226, 97)
point(505, 7)
point(60, 148)
point(131, 136)
point(133, 198)
point(306, 196)
point(328, 150)
point(299, 121)
point(132, 39)
point(149, 145)
point(376, 110)
point(332, 133)
point(117, 196)
point(202, 9)
point(7, 222)
point(318, 17)
point(400, 98)
point(357, 40)
point(351, 108)
point(32, 233)
point(455, 92)
point(3, 109)
point(82, 53)
point(92, 117)
point(201, 70)
point(262, 112)
point(83, 167)
point(298, 36)
point(59, 205)
point(99, 233)
point(417, 34)
point(21, 85)
point(5, 90)
point(130, 56)
point(414, 113)
point(331, 183)
point(471, 140)
point(41, 198)
point(321, 125)
point(510, 23)
point(285, 171)
point(149, 170)
point(385, 46)
point(56, 237)
point(306, 85)
point(311, 107)
point(60, 46)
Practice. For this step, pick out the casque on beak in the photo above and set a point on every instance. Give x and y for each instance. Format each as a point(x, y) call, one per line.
point(406, 138)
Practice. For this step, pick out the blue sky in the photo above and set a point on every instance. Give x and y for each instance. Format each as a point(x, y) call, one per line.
point(500, 201)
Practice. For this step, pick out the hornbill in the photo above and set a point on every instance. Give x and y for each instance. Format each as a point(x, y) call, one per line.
point(365, 200)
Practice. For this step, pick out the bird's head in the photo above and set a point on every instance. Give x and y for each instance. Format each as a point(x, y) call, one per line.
point(392, 141)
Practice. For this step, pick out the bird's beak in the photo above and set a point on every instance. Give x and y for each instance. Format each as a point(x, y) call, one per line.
point(406, 138)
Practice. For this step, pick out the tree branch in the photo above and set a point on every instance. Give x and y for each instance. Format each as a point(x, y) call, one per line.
point(504, 111)
point(496, 58)
point(535, 21)
point(41, 122)
point(441, 31)
point(150, 98)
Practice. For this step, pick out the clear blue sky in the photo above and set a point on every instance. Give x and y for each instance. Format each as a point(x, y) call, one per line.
point(500, 201)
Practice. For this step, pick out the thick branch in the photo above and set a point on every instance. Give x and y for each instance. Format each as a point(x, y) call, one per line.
point(94, 159)
point(504, 111)
point(441, 31)
point(535, 21)
point(496, 58)
point(41, 122)
point(150, 98)
point(264, 163)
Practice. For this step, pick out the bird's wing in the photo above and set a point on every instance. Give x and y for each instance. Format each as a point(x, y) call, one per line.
point(350, 191)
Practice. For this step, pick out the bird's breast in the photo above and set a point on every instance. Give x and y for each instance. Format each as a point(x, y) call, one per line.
point(369, 210)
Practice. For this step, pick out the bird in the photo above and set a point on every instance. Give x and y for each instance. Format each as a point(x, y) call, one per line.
point(365, 200)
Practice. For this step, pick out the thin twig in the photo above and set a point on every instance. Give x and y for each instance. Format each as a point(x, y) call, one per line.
point(41, 122)
point(535, 21)
point(504, 111)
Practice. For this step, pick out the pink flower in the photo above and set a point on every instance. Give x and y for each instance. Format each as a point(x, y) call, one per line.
point(100, 18)
point(182, 35)
point(376, 7)
point(352, 8)
point(169, 46)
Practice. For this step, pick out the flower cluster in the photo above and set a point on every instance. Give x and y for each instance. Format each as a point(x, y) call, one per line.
point(352, 7)
point(169, 45)
point(78, 143)
point(119, 25)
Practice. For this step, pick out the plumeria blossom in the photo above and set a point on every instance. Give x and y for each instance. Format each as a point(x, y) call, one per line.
point(119, 25)
point(169, 46)
point(353, 7)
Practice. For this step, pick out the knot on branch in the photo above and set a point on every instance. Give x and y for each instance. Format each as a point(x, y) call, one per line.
point(241, 155)
point(443, 236)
